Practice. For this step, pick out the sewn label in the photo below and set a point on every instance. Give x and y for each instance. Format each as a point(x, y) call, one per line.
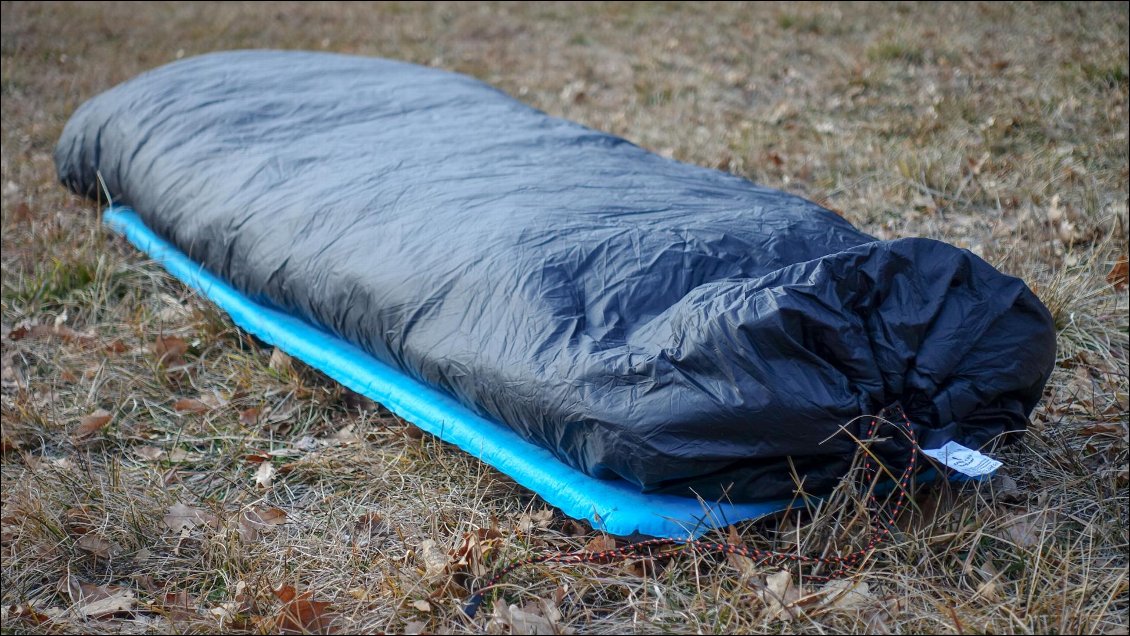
point(964, 460)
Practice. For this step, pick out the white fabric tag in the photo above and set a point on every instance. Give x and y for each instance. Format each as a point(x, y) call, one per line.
point(964, 460)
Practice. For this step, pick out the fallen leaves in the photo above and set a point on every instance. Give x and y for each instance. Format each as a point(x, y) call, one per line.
point(742, 564)
point(27, 614)
point(249, 417)
point(301, 614)
point(265, 474)
point(97, 601)
point(1004, 489)
point(151, 453)
point(434, 559)
point(1119, 274)
point(530, 521)
point(471, 552)
point(249, 524)
point(779, 596)
point(62, 332)
point(540, 617)
point(1116, 429)
point(782, 599)
point(190, 405)
point(990, 577)
point(845, 595)
point(280, 362)
point(600, 543)
point(97, 545)
point(1026, 531)
point(178, 606)
point(170, 351)
point(181, 518)
point(368, 529)
point(91, 424)
point(82, 524)
point(468, 556)
point(259, 519)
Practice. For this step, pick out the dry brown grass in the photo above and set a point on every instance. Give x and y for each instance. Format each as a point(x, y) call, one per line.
point(998, 127)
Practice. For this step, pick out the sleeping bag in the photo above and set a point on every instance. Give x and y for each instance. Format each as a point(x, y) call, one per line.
point(640, 318)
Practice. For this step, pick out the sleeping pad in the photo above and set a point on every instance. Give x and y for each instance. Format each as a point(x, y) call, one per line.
point(640, 318)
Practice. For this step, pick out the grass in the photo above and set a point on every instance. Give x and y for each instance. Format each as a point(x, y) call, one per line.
point(997, 127)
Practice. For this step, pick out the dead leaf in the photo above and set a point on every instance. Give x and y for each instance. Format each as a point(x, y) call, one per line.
point(257, 457)
point(1119, 274)
point(179, 606)
point(368, 527)
point(178, 455)
point(267, 517)
point(346, 435)
point(98, 545)
point(170, 351)
point(9, 533)
point(7, 444)
point(152, 453)
point(415, 627)
point(1004, 488)
point(97, 601)
point(80, 520)
point(306, 444)
point(26, 613)
point(528, 522)
point(601, 543)
point(258, 519)
point(987, 589)
point(182, 517)
point(422, 606)
point(471, 552)
point(532, 618)
point(190, 405)
point(300, 614)
point(845, 595)
point(434, 558)
point(359, 593)
point(280, 362)
point(249, 417)
point(779, 595)
point(226, 613)
point(265, 475)
point(1025, 531)
point(63, 332)
point(91, 423)
point(170, 477)
point(285, 452)
point(1100, 428)
point(22, 214)
point(743, 564)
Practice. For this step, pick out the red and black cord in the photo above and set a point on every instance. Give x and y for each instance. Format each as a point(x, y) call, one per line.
point(882, 523)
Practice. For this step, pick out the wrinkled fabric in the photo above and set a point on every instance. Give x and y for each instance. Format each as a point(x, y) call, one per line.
point(641, 318)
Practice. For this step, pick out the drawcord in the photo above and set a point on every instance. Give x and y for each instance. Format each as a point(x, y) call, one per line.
point(882, 525)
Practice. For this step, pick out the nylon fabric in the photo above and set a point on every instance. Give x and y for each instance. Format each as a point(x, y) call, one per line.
point(674, 327)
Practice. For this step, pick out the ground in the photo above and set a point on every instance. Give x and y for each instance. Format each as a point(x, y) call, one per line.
point(164, 472)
